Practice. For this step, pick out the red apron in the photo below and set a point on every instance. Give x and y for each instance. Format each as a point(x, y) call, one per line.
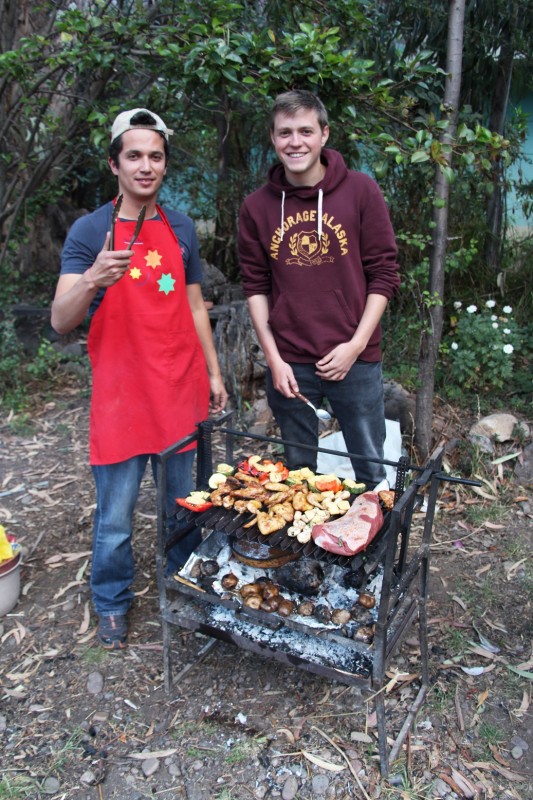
point(150, 382)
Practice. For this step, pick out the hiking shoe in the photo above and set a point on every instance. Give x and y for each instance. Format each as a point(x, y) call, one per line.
point(113, 631)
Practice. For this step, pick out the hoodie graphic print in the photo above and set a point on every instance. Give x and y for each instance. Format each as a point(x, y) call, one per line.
point(317, 252)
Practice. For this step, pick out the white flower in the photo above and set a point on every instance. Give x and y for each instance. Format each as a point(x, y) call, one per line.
point(508, 348)
point(457, 305)
point(454, 346)
point(507, 309)
point(472, 309)
point(494, 324)
point(490, 303)
point(493, 317)
point(507, 331)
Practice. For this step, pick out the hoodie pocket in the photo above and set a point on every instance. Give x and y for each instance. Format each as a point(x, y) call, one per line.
point(312, 323)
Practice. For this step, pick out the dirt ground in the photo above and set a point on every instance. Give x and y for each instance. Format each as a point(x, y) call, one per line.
point(78, 722)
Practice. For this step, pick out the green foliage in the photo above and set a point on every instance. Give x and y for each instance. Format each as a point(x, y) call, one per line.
point(22, 375)
point(212, 69)
point(479, 350)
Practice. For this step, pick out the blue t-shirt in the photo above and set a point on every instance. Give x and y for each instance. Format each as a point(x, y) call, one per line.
point(87, 236)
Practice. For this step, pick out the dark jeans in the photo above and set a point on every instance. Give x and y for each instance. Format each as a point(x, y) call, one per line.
point(357, 403)
point(117, 489)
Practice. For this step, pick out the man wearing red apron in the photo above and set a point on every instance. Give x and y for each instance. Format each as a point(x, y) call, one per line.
point(155, 372)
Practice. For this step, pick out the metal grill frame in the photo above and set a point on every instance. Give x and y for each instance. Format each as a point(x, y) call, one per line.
point(404, 592)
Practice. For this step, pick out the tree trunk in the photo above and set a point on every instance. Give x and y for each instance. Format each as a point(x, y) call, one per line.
point(499, 103)
point(433, 313)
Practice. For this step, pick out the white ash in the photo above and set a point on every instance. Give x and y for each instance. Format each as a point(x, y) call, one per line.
point(312, 648)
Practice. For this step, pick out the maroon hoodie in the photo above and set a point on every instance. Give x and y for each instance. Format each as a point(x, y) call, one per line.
point(317, 252)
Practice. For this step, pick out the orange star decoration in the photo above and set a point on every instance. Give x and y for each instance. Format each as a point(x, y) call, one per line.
point(135, 273)
point(153, 259)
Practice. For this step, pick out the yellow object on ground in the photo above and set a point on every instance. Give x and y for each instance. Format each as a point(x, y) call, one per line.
point(6, 551)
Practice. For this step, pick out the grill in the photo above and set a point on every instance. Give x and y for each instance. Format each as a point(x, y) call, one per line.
point(354, 651)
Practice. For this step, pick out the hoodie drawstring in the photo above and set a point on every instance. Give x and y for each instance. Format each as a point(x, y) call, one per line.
point(319, 213)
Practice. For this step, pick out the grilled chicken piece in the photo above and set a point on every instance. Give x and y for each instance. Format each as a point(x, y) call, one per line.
point(242, 477)
point(279, 497)
point(300, 502)
point(251, 493)
point(273, 486)
point(269, 524)
point(217, 495)
point(284, 510)
point(228, 501)
point(242, 506)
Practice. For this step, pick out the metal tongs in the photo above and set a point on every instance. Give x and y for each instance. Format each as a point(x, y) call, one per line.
point(114, 217)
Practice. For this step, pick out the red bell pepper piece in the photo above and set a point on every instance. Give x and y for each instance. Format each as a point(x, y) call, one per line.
point(181, 501)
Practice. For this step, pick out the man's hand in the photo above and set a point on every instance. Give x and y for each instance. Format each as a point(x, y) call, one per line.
point(338, 362)
point(219, 395)
point(110, 265)
point(283, 379)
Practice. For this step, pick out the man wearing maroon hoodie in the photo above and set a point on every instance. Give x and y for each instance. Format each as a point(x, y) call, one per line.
point(319, 265)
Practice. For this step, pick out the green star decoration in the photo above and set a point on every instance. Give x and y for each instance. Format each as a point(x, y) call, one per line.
point(166, 283)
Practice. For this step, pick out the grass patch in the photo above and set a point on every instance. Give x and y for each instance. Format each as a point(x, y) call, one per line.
point(18, 787)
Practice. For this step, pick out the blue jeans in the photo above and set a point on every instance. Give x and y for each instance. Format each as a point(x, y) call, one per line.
point(117, 490)
point(357, 403)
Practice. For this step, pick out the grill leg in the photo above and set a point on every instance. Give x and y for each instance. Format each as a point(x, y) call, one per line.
point(167, 654)
point(382, 734)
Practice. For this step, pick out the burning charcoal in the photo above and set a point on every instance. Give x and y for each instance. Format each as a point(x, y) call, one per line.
point(303, 577)
point(229, 581)
point(340, 616)
point(306, 608)
point(209, 567)
point(353, 579)
point(322, 613)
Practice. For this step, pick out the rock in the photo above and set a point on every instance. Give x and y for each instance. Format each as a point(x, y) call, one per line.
point(524, 468)
point(483, 443)
point(440, 788)
point(3, 723)
point(319, 785)
point(174, 770)
point(517, 753)
point(95, 683)
point(290, 788)
point(50, 785)
point(88, 778)
point(396, 780)
point(149, 766)
point(498, 427)
point(517, 741)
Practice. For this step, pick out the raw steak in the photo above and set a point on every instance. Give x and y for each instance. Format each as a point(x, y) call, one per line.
point(352, 532)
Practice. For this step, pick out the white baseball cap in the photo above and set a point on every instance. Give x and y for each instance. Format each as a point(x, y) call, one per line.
point(123, 123)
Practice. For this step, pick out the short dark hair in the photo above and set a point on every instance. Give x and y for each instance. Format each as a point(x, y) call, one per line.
point(141, 119)
point(290, 103)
